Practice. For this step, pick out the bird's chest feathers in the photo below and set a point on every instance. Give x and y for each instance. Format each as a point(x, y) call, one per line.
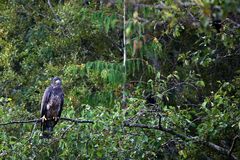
point(53, 106)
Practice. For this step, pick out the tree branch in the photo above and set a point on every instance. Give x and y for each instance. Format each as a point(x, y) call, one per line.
point(40, 119)
point(236, 25)
point(126, 124)
point(156, 6)
point(233, 144)
point(219, 149)
point(211, 145)
point(124, 97)
point(76, 120)
point(51, 7)
point(30, 138)
point(63, 134)
point(162, 5)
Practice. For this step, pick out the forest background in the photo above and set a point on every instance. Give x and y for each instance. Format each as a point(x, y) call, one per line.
point(159, 78)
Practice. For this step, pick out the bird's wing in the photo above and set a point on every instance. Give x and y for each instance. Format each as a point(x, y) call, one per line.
point(61, 105)
point(45, 100)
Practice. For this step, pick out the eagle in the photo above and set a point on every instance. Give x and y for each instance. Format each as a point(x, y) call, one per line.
point(51, 106)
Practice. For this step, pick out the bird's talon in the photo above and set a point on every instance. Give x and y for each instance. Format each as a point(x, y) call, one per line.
point(55, 118)
point(44, 118)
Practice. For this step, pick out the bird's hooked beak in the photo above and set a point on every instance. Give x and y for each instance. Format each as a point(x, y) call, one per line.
point(58, 82)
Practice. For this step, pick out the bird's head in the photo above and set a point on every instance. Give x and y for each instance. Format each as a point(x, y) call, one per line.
point(56, 82)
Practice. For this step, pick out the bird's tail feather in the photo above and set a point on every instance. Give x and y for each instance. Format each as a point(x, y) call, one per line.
point(47, 132)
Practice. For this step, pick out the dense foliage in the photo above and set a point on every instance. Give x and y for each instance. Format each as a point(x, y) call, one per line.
point(177, 97)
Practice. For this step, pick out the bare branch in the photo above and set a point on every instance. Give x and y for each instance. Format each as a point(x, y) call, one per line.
point(211, 145)
point(156, 6)
point(178, 85)
point(40, 119)
point(21, 122)
point(161, 5)
point(184, 4)
point(76, 120)
point(219, 149)
point(170, 131)
point(30, 138)
point(62, 135)
point(233, 144)
point(236, 25)
point(51, 7)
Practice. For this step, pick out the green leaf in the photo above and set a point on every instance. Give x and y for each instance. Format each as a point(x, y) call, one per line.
point(200, 83)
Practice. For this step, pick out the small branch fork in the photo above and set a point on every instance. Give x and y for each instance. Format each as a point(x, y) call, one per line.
point(211, 145)
point(51, 7)
point(63, 134)
point(40, 120)
point(233, 144)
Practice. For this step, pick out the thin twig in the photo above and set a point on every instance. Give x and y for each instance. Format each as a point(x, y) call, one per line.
point(159, 120)
point(51, 7)
point(162, 5)
point(178, 85)
point(236, 25)
point(76, 120)
point(62, 135)
point(170, 131)
point(40, 119)
point(156, 6)
point(21, 122)
point(233, 144)
point(65, 131)
point(30, 138)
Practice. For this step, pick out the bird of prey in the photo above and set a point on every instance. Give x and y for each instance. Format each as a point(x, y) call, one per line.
point(51, 106)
